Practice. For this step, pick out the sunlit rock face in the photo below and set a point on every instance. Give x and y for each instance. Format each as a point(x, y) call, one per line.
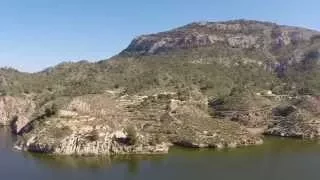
point(104, 124)
point(15, 112)
point(240, 34)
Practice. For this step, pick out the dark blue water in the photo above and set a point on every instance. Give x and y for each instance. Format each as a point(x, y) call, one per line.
point(277, 159)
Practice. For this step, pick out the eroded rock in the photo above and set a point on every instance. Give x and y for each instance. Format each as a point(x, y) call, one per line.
point(102, 124)
point(15, 112)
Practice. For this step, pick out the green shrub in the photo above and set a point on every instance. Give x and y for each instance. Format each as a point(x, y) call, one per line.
point(51, 110)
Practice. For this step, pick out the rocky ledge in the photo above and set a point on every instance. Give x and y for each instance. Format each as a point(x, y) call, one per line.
point(85, 144)
point(110, 124)
point(113, 123)
point(298, 118)
point(235, 34)
point(16, 112)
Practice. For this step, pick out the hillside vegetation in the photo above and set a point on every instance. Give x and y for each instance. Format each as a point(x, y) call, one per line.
point(218, 58)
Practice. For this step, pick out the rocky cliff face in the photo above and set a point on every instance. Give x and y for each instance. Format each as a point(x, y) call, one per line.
point(235, 34)
point(90, 125)
point(15, 112)
point(260, 42)
point(105, 124)
point(299, 118)
point(292, 116)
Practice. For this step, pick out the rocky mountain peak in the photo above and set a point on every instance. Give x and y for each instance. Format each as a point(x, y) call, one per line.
point(241, 34)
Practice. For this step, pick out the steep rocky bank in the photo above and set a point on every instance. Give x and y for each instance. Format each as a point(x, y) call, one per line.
point(113, 123)
point(16, 112)
point(107, 124)
point(297, 118)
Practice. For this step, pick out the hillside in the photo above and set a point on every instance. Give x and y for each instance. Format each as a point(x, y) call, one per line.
point(158, 60)
point(208, 69)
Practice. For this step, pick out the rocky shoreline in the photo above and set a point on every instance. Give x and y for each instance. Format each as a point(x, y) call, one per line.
point(108, 124)
point(111, 124)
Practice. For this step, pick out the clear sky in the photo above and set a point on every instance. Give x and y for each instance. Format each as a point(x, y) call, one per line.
point(35, 34)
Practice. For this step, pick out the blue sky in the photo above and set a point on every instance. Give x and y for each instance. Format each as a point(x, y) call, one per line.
point(35, 34)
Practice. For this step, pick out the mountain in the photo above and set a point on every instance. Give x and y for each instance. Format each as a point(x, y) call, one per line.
point(287, 51)
point(262, 41)
point(206, 84)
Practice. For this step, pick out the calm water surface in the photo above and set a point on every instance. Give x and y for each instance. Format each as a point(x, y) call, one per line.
point(283, 159)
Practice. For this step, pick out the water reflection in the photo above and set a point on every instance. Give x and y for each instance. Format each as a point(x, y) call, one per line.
point(100, 162)
point(6, 138)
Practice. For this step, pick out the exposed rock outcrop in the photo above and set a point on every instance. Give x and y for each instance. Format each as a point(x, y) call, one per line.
point(195, 128)
point(91, 125)
point(298, 119)
point(15, 112)
point(240, 34)
point(104, 124)
point(84, 143)
point(274, 115)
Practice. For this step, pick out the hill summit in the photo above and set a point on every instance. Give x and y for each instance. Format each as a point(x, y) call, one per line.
point(268, 38)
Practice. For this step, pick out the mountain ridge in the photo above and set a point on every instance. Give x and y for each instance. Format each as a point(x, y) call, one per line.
point(315, 32)
point(206, 34)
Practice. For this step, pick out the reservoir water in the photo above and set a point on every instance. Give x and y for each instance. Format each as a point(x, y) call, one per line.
point(277, 159)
